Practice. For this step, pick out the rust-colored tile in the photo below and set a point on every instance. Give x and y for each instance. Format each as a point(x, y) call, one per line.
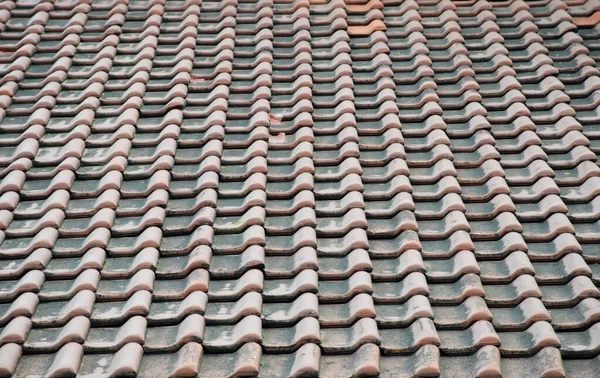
point(589, 21)
point(376, 25)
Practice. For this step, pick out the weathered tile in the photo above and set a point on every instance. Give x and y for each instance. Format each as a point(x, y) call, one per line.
point(419, 176)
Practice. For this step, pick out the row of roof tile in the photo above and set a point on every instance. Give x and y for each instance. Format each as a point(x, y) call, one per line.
point(393, 188)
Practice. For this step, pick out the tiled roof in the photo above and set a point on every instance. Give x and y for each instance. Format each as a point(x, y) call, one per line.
point(389, 188)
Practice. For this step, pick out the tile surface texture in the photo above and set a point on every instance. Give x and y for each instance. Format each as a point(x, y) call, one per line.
point(298, 188)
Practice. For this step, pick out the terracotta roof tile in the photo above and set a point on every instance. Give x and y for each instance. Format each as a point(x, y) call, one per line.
point(267, 188)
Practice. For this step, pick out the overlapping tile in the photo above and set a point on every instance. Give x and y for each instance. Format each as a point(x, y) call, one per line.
point(297, 188)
